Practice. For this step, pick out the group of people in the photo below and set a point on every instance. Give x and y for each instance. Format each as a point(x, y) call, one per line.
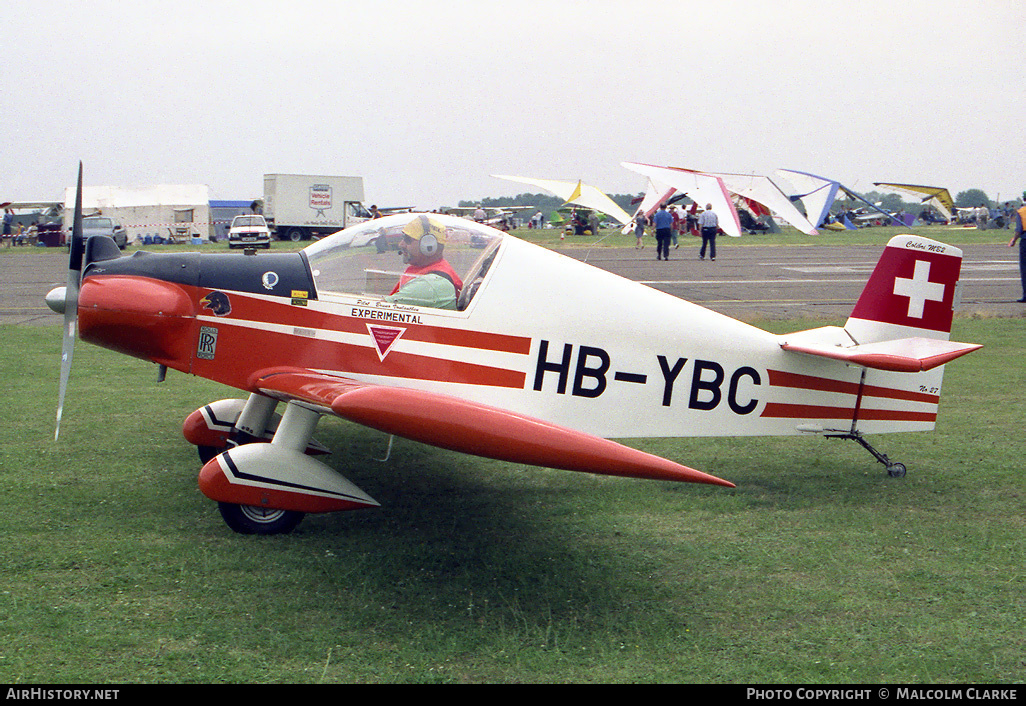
point(669, 223)
point(16, 233)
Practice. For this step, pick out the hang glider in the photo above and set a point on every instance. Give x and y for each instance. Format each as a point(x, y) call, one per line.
point(936, 196)
point(578, 193)
point(816, 193)
point(655, 194)
point(764, 191)
point(703, 189)
point(819, 193)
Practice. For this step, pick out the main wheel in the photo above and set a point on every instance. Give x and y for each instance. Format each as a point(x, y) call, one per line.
point(251, 519)
point(208, 452)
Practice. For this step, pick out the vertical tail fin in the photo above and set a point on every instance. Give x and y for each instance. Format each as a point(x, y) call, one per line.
point(912, 292)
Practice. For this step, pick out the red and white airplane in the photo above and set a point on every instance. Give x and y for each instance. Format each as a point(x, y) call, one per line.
point(489, 345)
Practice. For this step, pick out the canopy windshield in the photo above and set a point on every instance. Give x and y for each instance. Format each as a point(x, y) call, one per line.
point(412, 259)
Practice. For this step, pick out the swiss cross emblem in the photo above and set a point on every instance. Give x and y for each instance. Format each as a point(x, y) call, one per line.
point(919, 289)
point(384, 338)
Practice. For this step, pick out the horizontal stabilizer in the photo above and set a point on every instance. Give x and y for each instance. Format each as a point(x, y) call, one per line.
point(905, 355)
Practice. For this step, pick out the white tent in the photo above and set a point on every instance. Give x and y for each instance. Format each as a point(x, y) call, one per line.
point(182, 211)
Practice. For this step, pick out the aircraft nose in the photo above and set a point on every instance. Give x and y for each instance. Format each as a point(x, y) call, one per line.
point(56, 298)
point(142, 317)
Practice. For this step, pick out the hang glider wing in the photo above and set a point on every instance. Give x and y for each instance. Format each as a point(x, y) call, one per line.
point(815, 192)
point(469, 427)
point(655, 194)
point(818, 195)
point(701, 188)
point(857, 197)
point(936, 196)
point(765, 191)
point(577, 193)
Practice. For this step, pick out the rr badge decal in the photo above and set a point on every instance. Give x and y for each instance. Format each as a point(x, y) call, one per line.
point(207, 346)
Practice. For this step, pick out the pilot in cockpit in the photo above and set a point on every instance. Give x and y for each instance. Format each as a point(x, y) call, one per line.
point(429, 280)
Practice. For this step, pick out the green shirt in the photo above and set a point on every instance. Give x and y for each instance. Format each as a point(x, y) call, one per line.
point(432, 290)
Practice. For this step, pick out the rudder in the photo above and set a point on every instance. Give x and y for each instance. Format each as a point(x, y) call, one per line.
point(912, 292)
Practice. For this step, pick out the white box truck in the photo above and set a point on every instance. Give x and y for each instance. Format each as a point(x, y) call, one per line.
point(302, 206)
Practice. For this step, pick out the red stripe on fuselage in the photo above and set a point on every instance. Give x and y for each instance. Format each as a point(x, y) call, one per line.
point(264, 311)
point(781, 410)
point(779, 378)
point(244, 346)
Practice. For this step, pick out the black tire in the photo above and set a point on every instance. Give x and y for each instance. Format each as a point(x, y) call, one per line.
point(295, 235)
point(896, 470)
point(208, 452)
point(249, 519)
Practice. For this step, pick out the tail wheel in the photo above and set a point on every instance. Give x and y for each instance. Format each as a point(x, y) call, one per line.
point(251, 519)
point(896, 470)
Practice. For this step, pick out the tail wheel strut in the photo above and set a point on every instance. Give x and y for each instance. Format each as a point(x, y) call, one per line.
point(894, 469)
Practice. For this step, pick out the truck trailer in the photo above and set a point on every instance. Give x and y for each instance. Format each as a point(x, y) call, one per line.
point(302, 206)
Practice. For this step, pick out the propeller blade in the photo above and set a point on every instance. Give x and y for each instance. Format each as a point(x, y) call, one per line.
point(71, 302)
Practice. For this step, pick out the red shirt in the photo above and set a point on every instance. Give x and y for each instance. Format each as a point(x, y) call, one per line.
point(442, 267)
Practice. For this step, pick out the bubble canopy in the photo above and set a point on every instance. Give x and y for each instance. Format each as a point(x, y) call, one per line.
point(417, 259)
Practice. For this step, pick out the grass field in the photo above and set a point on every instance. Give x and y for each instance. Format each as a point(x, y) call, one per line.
point(818, 568)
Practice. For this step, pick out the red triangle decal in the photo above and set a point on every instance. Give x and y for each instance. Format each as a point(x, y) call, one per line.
point(384, 338)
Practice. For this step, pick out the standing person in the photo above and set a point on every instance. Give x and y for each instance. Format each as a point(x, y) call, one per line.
point(710, 224)
point(676, 226)
point(663, 223)
point(692, 220)
point(639, 231)
point(1020, 225)
point(8, 221)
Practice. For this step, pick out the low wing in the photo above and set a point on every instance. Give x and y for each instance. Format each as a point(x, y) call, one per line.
point(469, 427)
point(905, 355)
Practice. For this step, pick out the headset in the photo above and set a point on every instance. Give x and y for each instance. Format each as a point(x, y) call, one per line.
point(428, 242)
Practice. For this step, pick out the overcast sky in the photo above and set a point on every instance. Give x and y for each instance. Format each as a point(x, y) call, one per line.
point(426, 99)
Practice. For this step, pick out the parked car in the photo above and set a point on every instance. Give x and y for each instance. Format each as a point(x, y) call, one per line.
point(249, 232)
point(103, 225)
